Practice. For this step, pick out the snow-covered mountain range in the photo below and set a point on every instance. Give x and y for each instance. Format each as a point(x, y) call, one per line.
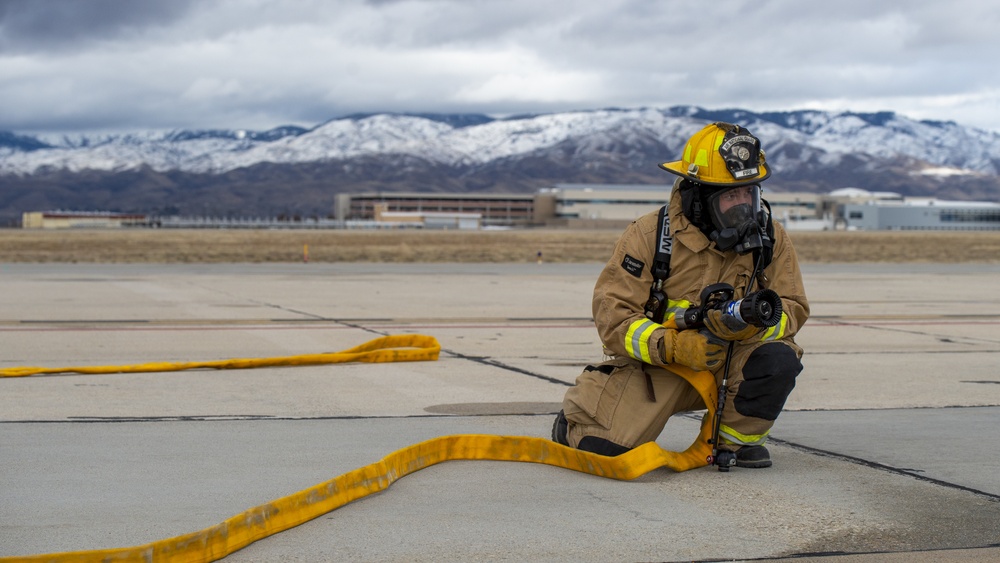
point(299, 170)
point(474, 140)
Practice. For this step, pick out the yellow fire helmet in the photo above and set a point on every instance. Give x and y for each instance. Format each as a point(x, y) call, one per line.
point(721, 154)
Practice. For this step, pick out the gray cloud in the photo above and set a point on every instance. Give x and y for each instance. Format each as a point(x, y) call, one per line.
point(112, 65)
point(28, 26)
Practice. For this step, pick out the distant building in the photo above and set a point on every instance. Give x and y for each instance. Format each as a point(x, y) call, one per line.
point(923, 214)
point(600, 205)
point(426, 219)
point(81, 220)
point(493, 209)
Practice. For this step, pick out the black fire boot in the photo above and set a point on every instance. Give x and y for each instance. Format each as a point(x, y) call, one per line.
point(753, 457)
point(559, 428)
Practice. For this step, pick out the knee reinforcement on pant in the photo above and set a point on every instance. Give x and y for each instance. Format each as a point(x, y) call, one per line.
point(600, 446)
point(768, 378)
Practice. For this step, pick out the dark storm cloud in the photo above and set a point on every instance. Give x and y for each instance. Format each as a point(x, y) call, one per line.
point(43, 25)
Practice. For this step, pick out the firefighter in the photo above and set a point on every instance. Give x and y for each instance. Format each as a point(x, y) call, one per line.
point(720, 233)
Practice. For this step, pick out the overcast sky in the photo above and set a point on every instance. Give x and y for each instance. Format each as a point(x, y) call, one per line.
point(125, 65)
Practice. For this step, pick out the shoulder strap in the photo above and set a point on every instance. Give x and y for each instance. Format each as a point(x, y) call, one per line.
point(664, 245)
point(656, 305)
point(767, 252)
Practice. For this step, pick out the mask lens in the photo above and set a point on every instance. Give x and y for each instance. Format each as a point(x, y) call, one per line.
point(733, 208)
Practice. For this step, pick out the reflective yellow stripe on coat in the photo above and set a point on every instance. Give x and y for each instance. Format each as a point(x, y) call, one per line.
point(778, 330)
point(637, 340)
point(675, 307)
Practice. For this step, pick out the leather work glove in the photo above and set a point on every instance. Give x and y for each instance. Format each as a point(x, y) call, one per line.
point(728, 327)
point(691, 348)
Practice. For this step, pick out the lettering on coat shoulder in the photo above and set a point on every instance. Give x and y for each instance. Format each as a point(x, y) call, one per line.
point(633, 266)
point(666, 241)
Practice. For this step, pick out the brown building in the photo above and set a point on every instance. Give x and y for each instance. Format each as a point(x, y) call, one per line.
point(81, 219)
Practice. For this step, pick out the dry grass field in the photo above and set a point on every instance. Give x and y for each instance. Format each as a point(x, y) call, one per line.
point(195, 246)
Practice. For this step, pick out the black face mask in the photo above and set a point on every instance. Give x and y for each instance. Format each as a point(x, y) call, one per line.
point(743, 239)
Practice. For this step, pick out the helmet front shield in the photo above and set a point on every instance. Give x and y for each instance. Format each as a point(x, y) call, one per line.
point(741, 152)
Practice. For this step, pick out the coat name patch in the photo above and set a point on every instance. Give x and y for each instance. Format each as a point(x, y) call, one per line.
point(633, 266)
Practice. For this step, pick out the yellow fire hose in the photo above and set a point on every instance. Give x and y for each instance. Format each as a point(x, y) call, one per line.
point(241, 530)
point(393, 348)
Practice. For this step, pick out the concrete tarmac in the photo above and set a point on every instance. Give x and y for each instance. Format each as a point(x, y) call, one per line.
point(886, 450)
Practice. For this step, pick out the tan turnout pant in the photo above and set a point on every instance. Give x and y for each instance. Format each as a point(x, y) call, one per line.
point(612, 401)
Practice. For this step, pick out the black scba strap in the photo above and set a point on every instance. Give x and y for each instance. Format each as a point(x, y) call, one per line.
point(656, 305)
point(765, 254)
point(664, 245)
